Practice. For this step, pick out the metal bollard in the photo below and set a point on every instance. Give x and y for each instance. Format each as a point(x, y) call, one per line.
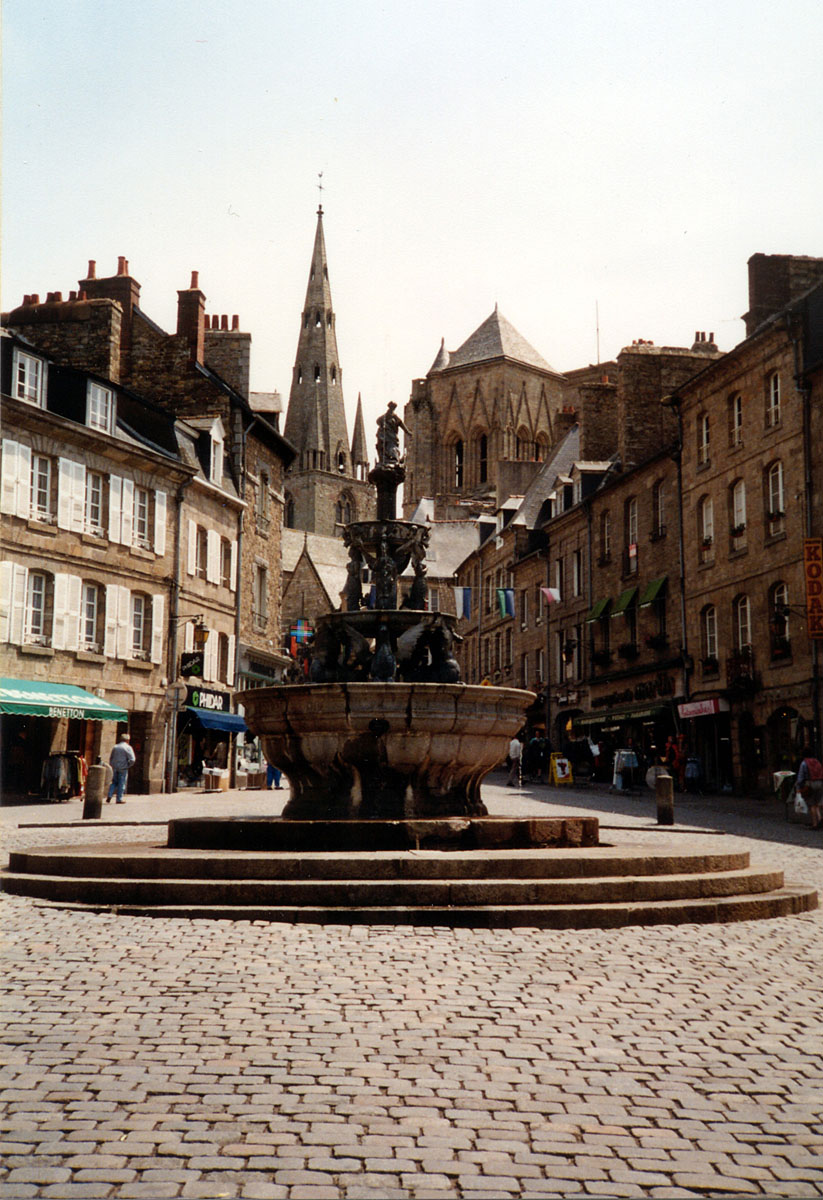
point(95, 789)
point(664, 792)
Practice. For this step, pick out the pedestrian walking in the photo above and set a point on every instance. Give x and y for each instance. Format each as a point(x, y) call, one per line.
point(121, 759)
point(810, 784)
point(515, 756)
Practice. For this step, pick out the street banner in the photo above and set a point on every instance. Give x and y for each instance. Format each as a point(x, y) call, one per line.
point(813, 570)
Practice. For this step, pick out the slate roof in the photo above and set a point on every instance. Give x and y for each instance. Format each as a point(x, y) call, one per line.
point(328, 555)
point(560, 462)
point(495, 338)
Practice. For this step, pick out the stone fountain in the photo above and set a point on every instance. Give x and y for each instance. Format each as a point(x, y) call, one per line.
point(385, 729)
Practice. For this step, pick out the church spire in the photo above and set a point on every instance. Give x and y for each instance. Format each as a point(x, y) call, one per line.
point(316, 418)
point(359, 453)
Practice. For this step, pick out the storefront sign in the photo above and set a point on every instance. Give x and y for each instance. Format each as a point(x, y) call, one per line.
point(813, 569)
point(199, 697)
point(702, 708)
point(191, 663)
point(662, 685)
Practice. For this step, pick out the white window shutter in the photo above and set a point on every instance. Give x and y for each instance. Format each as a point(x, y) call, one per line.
point(191, 565)
point(233, 569)
point(78, 497)
point(124, 623)
point(212, 556)
point(5, 600)
point(230, 659)
point(61, 603)
point(112, 601)
point(115, 505)
point(127, 513)
point(75, 595)
point(188, 637)
point(64, 492)
point(209, 657)
point(11, 468)
point(24, 481)
point(158, 625)
point(160, 523)
point(19, 587)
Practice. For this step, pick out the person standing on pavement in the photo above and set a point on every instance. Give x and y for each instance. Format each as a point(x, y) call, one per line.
point(121, 759)
point(515, 755)
point(810, 784)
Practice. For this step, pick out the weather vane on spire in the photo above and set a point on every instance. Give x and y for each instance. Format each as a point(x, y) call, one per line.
point(320, 190)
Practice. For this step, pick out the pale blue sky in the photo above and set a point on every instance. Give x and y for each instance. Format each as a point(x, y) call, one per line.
point(543, 154)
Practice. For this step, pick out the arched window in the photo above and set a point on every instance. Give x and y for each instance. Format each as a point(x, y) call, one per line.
point(779, 620)
point(341, 462)
point(343, 510)
point(708, 637)
point(299, 373)
point(737, 504)
point(457, 462)
point(318, 320)
point(334, 374)
point(742, 622)
point(735, 403)
point(316, 373)
point(288, 512)
point(775, 502)
point(482, 458)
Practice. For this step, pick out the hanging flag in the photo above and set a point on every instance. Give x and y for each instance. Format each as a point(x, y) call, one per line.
point(505, 601)
point(301, 631)
point(463, 601)
point(552, 594)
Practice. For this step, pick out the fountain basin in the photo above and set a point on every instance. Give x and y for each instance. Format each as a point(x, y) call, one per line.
point(387, 751)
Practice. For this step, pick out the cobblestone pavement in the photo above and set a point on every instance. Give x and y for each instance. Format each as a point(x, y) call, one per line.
point(162, 1057)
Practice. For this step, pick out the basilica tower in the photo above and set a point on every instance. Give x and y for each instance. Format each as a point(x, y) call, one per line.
point(326, 486)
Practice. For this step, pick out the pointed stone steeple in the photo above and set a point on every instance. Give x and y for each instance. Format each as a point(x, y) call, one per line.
point(324, 484)
point(359, 454)
point(316, 388)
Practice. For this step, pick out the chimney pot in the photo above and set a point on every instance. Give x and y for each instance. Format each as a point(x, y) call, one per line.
point(35, 298)
point(122, 265)
point(58, 297)
point(26, 300)
point(235, 322)
point(81, 295)
point(195, 279)
point(92, 274)
point(49, 297)
point(711, 336)
point(224, 321)
point(72, 295)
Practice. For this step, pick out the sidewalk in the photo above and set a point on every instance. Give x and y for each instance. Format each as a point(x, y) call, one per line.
point(161, 1057)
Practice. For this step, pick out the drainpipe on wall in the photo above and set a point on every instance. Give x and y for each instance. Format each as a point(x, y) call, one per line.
point(174, 609)
point(688, 663)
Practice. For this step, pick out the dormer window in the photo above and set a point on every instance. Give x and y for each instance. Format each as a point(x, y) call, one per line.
point(100, 408)
point(29, 382)
point(216, 462)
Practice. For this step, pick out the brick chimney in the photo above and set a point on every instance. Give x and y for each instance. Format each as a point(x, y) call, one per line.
point(191, 317)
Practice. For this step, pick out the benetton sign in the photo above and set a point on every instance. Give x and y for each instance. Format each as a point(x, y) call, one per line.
point(813, 569)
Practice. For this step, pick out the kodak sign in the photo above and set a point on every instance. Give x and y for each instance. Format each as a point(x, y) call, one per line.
point(813, 567)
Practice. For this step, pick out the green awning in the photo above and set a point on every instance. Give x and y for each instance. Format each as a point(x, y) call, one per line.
point(652, 591)
point(36, 698)
point(598, 609)
point(624, 602)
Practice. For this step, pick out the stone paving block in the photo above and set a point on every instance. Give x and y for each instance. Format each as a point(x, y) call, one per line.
point(715, 1183)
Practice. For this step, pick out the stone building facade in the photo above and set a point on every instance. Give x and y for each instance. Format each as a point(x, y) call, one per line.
point(493, 407)
point(228, 518)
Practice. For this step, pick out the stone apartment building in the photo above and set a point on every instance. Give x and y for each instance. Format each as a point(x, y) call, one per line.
point(750, 424)
point(89, 479)
point(225, 519)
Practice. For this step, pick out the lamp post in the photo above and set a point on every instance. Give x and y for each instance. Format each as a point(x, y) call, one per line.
point(201, 637)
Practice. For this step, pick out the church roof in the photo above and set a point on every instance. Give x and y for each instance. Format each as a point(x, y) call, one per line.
point(328, 556)
point(495, 338)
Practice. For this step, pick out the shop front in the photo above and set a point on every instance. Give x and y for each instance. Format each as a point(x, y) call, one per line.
point(206, 730)
point(51, 734)
point(643, 729)
point(707, 725)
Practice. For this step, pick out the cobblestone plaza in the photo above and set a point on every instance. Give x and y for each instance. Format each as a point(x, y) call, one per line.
point(164, 1057)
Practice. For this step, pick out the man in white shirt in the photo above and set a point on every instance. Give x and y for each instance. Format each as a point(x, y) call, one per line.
point(515, 755)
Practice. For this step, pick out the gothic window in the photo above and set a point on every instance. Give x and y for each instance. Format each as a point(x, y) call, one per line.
point(334, 374)
point(318, 320)
point(483, 457)
point(288, 512)
point(299, 373)
point(316, 373)
point(457, 460)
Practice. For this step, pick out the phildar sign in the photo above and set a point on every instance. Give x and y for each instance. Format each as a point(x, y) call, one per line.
point(813, 568)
